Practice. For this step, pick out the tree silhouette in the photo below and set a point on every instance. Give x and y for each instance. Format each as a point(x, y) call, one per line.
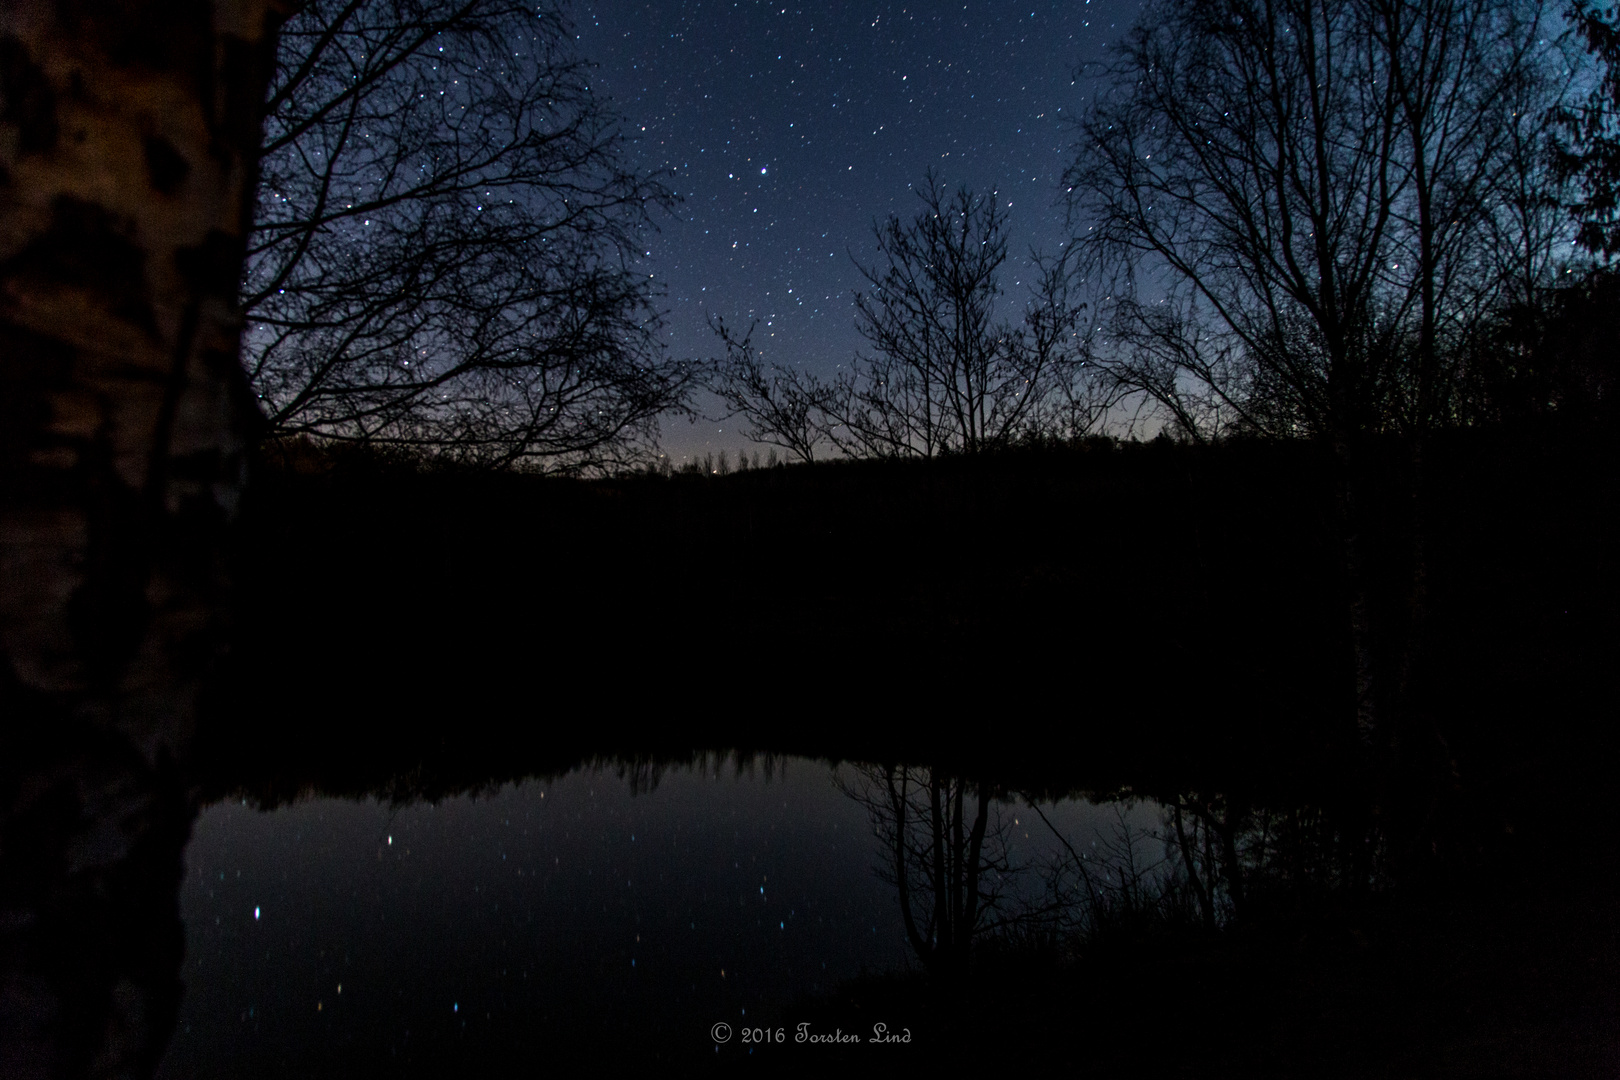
point(1296, 215)
point(942, 374)
point(1295, 212)
point(446, 242)
point(783, 407)
point(1589, 153)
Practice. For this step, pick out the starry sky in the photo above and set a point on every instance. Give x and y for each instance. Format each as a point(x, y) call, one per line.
point(789, 127)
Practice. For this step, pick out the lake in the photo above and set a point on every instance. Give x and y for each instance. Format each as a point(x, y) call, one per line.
point(615, 912)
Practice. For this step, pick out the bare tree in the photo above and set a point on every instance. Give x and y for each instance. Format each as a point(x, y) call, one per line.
point(1468, 229)
point(943, 375)
point(783, 407)
point(447, 238)
point(1297, 211)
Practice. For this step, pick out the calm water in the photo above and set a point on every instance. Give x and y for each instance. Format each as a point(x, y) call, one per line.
point(583, 916)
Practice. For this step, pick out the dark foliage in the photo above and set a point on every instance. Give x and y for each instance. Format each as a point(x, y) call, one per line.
point(1590, 150)
point(1554, 358)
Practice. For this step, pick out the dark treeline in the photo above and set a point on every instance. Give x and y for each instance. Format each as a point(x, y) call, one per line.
point(1055, 615)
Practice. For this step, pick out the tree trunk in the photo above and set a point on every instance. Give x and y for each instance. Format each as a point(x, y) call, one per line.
point(129, 136)
point(1352, 547)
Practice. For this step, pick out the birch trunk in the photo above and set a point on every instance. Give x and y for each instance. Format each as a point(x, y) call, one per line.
point(129, 137)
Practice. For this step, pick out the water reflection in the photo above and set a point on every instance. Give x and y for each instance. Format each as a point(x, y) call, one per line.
point(607, 913)
point(602, 907)
point(973, 872)
point(950, 878)
point(615, 912)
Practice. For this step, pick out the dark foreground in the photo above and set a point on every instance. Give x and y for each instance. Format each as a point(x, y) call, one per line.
point(1066, 601)
point(1163, 621)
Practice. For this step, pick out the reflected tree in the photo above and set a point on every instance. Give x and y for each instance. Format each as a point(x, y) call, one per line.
point(1212, 860)
point(1117, 885)
point(950, 869)
point(1205, 835)
point(1232, 856)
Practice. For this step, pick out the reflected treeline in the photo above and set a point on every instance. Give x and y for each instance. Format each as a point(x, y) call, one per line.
point(1206, 860)
point(92, 842)
point(427, 781)
point(1055, 903)
point(643, 774)
point(1195, 860)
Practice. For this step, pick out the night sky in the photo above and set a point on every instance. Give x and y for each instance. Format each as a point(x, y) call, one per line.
point(790, 127)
